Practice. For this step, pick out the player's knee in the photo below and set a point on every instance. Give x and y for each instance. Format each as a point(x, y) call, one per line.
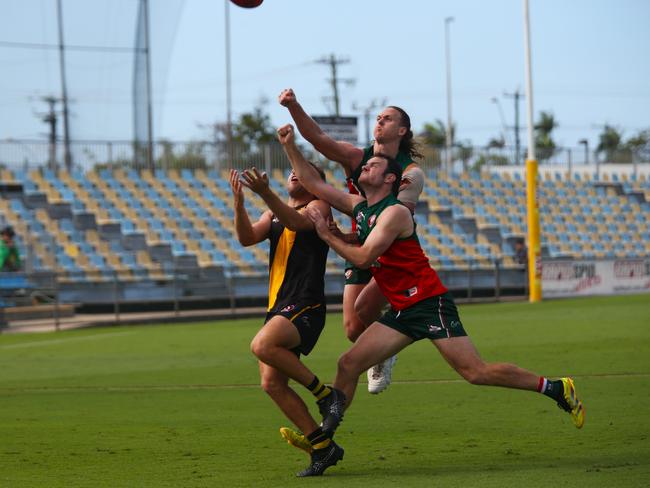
point(475, 374)
point(272, 386)
point(353, 333)
point(353, 328)
point(348, 366)
point(365, 315)
point(259, 348)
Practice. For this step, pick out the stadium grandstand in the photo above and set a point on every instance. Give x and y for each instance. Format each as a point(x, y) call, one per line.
point(139, 236)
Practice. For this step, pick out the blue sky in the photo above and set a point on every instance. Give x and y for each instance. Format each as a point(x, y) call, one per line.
point(591, 62)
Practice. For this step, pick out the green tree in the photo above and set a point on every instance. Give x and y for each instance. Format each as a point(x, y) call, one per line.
point(435, 134)
point(609, 143)
point(191, 156)
point(433, 138)
point(639, 146)
point(251, 132)
point(254, 129)
point(465, 151)
point(496, 143)
point(487, 159)
point(544, 142)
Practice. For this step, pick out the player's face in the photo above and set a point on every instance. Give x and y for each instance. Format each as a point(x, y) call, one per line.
point(372, 174)
point(293, 185)
point(387, 126)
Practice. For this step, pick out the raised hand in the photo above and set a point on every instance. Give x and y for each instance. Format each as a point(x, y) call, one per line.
point(236, 187)
point(255, 181)
point(286, 134)
point(287, 97)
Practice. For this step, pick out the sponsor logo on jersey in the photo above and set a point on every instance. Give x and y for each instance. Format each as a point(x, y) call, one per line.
point(360, 216)
point(454, 324)
point(348, 274)
point(371, 220)
point(288, 308)
point(434, 329)
point(412, 291)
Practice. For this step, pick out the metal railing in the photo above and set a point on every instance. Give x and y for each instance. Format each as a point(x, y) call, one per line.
point(87, 155)
point(49, 295)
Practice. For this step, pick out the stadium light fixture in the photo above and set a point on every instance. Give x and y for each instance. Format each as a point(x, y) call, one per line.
point(585, 142)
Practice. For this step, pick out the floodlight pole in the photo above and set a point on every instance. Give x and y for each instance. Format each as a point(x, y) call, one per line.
point(150, 158)
point(67, 156)
point(228, 85)
point(448, 135)
point(534, 247)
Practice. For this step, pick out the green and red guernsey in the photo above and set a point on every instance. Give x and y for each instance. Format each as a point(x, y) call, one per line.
point(352, 181)
point(403, 272)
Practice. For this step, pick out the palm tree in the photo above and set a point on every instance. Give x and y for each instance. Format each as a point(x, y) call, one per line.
point(639, 146)
point(433, 137)
point(465, 153)
point(435, 134)
point(544, 142)
point(609, 142)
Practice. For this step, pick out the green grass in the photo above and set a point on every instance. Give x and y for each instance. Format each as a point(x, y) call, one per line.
point(180, 406)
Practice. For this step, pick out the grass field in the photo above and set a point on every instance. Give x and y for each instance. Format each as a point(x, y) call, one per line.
point(180, 406)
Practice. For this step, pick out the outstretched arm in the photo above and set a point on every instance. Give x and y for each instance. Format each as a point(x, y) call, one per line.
point(341, 152)
point(309, 177)
point(395, 222)
point(247, 233)
point(288, 216)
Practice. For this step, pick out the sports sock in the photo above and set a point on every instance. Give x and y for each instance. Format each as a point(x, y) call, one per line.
point(318, 439)
point(551, 388)
point(318, 389)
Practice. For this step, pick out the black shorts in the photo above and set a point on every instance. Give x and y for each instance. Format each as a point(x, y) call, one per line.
point(356, 276)
point(432, 318)
point(308, 318)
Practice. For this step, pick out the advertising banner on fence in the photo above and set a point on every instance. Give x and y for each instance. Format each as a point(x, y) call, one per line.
point(617, 276)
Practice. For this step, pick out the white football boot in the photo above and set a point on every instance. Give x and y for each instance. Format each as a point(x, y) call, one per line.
point(379, 376)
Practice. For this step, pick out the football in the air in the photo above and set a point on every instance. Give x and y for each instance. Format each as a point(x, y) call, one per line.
point(247, 3)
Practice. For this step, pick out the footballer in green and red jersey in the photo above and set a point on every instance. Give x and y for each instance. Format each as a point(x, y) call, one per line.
point(354, 275)
point(421, 306)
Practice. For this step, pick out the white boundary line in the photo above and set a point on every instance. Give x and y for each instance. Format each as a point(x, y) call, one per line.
point(46, 342)
point(140, 388)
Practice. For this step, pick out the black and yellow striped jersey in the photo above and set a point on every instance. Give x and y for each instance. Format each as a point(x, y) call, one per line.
point(296, 266)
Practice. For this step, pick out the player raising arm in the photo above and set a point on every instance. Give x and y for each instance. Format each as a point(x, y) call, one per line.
point(296, 308)
point(362, 299)
point(421, 306)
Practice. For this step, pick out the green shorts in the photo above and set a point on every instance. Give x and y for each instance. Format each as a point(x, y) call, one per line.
point(356, 276)
point(432, 318)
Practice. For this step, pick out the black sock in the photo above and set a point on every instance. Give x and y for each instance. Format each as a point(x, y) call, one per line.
point(318, 439)
point(554, 389)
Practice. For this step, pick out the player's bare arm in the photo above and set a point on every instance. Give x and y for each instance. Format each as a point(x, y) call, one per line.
point(287, 215)
point(247, 232)
point(349, 237)
point(309, 177)
point(394, 223)
point(343, 153)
